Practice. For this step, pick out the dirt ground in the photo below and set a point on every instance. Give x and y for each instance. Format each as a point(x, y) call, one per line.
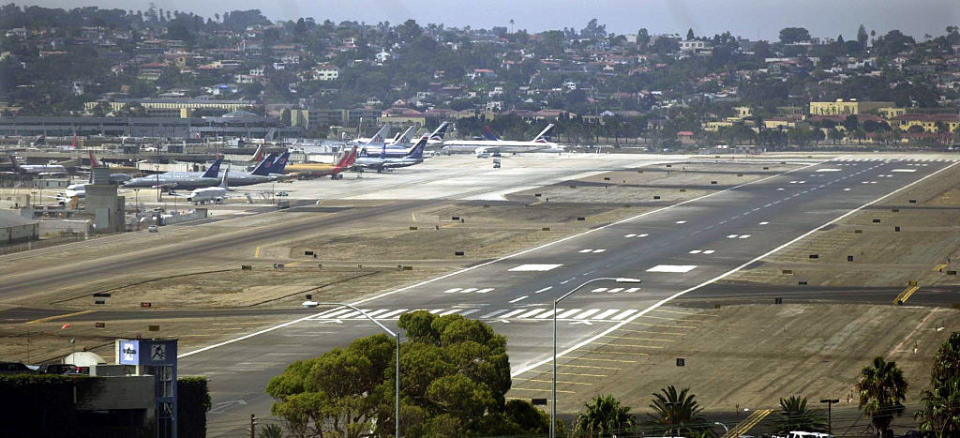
point(882, 257)
point(810, 350)
point(661, 184)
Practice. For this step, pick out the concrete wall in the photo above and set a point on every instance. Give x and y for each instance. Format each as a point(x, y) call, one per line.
point(108, 208)
point(19, 233)
point(57, 226)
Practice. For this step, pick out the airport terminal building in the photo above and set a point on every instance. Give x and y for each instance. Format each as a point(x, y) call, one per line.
point(235, 124)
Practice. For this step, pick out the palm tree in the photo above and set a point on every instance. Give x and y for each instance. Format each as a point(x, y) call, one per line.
point(604, 417)
point(677, 412)
point(795, 416)
point(882, 389)
point(939, 413)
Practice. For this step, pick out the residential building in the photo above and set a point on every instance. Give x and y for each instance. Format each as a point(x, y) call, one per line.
point(841, 107)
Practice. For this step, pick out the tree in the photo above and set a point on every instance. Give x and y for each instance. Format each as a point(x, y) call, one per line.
point(455, 374)
point(862, 36)
point(882, 390)
point(690, 35)
point(794, 415)
point(271, 431)
point(789, 35)
point(603, 416)
point(677, 412)
point(939, 413)
point(643, 37)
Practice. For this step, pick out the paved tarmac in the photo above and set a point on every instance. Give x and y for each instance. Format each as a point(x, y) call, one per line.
point(674, 251)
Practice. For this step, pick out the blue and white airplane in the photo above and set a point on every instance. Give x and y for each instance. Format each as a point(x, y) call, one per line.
point(384, 161)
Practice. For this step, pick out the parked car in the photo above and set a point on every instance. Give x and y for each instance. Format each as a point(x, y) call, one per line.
point(15, 368)
point(59, 368)
point(152, 229)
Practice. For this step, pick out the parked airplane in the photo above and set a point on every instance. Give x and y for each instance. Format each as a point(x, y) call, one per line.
point(402, 139)
point(493, 144)
point(37, 169)
point(383, 161)
point(268, 170)
point(122, 173)
point(179, 180)
point(324, 169)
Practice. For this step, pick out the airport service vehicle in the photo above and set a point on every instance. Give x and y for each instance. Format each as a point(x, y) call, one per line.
point(179, 180)
point(153, 229)
point(492, 144)
point(382, 162)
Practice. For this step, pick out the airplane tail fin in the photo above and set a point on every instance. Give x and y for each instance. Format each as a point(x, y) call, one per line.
point(489, 135)
point(93, 161)
point(542, 136)
point(281, 163)
point(348, 159)
point(263, 167)
point(13, 161)
point(417, 152)
point(405, 137)
point(438, 133)
point(381, 135)
point(258, 155)
point(223, 181)
point(213, 170)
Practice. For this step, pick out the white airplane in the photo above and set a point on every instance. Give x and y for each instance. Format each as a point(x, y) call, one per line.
point(37, 169)
point(380, 138)
point(402, 138)
point(494, 144)
point(215, 195)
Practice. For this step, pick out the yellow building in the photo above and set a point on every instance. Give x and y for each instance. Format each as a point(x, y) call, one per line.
point(891, 112)
point(779, 123)
point(841, 107)
point(929, 122)
point(716, 125)
point(743, 111)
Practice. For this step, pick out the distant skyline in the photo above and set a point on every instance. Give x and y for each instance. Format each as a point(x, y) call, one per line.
point(753, 19)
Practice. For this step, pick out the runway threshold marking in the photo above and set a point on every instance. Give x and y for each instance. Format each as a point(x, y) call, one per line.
point(56, 317)
point(514, 255)
point(666, 300)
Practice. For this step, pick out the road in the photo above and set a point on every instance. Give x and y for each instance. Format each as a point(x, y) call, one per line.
point(674, 250)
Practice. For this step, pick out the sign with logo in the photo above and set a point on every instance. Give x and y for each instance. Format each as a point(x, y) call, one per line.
point(130, 352)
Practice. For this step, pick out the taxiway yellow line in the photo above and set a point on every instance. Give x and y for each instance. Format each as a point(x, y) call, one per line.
point(56, 317)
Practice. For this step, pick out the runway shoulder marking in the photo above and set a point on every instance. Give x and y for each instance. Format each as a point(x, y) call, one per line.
point(677, 269)
point(535, 267)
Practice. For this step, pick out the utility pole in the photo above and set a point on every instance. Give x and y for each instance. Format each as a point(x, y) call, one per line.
point(253, 424)
point(830, 403)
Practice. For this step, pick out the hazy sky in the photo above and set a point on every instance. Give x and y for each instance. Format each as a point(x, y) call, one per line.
point(754, 19)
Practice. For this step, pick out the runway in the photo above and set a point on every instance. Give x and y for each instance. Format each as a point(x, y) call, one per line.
point(674, 251)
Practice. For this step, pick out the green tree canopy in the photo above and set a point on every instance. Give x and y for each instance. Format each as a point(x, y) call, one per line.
point(677, 413)
point(939, 413)
point(882, 390)
point(454, 374)
point(794, 415)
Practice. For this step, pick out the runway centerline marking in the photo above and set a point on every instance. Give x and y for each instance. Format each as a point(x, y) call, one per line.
point(677, 269)
point(509, 256)
point(517, 300)
point(535, 267)
point(666, 300)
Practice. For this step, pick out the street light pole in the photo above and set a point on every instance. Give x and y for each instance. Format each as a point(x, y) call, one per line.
point(396, 335)
point(830, 403)
point(553, 392)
